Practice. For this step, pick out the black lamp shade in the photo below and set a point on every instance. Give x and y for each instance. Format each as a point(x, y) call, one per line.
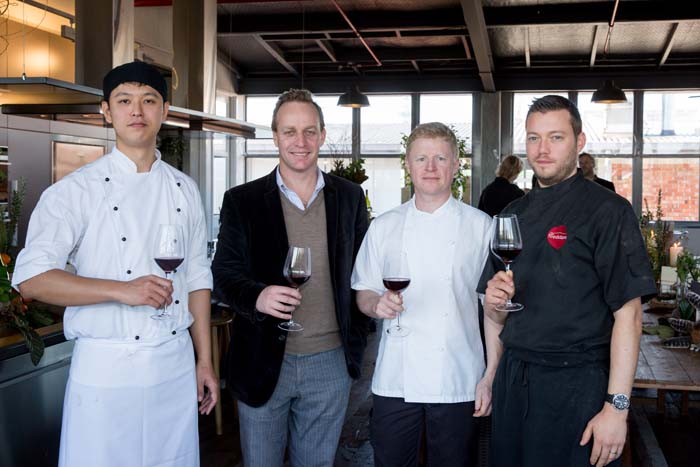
point(609, 94)
point(353, 98)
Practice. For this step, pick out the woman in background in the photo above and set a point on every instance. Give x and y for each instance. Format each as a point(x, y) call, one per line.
point(499, 193)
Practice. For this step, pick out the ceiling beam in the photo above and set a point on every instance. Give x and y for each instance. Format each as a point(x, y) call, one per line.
point(473, 14)
point(331, 22)
point(465, 44)
point(312, 36)
point(633, 11)
point(276, 54)
point(585, 79)
point(225, 60)
point(669, 44)
point(527, 47)
point(386, 54)
point(327, 47)
point(594, 46)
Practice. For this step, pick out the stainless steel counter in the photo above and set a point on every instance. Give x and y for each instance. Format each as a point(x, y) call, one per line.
point(31, 403)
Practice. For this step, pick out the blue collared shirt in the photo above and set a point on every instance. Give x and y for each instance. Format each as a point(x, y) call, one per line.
point(293, 197)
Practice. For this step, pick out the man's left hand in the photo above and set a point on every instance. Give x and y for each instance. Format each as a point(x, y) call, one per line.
point(482, 401)
point(206, 378)
point(609, 431)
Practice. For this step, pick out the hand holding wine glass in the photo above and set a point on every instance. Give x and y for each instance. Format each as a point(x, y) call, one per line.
point(297, 271)
point(169, 252)
point(507, 243)
point(396, 278)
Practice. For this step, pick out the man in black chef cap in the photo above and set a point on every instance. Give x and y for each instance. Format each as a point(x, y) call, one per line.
point(562, 388)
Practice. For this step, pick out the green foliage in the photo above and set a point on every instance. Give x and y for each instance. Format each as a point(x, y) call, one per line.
point(657, 236)
point(460, 182)
point(354, 171)
point(172, 150)
point(687, 267)
point(9, 216)
point(14, 312)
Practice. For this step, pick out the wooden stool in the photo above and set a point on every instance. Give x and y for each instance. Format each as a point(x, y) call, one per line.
point(219, 317)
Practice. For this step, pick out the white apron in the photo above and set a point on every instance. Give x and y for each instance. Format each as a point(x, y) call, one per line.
point(131, 405)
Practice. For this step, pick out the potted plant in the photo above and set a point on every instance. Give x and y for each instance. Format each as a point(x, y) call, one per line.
point(16, 315)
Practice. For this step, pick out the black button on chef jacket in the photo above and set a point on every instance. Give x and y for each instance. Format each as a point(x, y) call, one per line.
point(583, 258)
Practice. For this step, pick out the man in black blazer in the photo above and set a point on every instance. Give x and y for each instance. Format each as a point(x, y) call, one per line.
point(587, 164)
point(292, 382)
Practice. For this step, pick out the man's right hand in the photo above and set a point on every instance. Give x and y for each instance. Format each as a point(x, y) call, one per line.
point(499, 289)
point(278, 301)
point(148, 290)
point(388, 305)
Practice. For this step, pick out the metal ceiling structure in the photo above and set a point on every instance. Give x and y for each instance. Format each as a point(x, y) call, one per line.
point(458, 45)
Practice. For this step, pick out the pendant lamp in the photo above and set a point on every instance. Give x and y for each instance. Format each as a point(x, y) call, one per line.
point(353, 98)
point(609, 94)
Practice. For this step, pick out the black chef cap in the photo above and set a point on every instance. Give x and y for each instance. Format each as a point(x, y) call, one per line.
point(134, 72)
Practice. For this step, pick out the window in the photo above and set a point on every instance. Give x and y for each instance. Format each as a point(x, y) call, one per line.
point(608, 127)
point(678, 179)
point(671, 123)
point(259, 111)
point(383, 123)
point(451, 109)
point(671, 135)
point(454, 110)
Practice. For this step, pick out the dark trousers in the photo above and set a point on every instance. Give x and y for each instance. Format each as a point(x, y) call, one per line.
point(396, 427)
point(540, 412)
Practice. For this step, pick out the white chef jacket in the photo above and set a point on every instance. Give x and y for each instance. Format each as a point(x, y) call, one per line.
point(131, 397)
point(441, 360)
point(103, 219)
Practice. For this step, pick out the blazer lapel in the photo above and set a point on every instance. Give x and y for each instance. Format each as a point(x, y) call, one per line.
point(273, 209)
point(330, 195)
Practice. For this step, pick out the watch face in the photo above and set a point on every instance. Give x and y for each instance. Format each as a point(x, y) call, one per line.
point(620, 402)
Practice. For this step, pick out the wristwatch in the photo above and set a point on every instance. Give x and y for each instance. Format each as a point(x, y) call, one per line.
point(619, 401)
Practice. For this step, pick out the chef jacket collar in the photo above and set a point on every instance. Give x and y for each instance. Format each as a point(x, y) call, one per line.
point(558, 190)
point(446, 207)
point(126, 165)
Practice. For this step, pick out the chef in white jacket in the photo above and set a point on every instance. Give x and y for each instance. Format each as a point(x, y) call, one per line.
point(434, 376)
point(134, 385)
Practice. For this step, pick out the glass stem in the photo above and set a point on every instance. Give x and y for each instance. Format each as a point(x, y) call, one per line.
point(508, 302)
point(165, 308)
point(398, 316)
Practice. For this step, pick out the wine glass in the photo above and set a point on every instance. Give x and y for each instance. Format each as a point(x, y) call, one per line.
point(396, 278)
point(507, 243)
point(297, 270)
point(169, 252)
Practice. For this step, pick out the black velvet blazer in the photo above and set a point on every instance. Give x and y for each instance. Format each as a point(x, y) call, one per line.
point(250, 256)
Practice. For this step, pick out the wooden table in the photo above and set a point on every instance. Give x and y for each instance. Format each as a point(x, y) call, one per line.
point(665, 369)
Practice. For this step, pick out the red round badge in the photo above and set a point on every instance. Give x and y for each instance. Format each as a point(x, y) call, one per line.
point(557, 236)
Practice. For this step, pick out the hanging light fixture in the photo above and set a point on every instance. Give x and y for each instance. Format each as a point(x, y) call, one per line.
point(353, 98)
point(609, 94)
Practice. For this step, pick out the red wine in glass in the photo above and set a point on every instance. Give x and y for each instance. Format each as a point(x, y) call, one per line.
point(396, 278)
point(507, 243)
point(297, 279)
point(169, 253)
point(297, 271)
point(396, 284)
point(168, 265)
point(507, 253)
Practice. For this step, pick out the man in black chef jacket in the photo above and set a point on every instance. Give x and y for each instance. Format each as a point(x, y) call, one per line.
point(561, 392)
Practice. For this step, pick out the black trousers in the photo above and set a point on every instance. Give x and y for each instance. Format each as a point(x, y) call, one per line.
point(396, 427)
point(540, 412)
